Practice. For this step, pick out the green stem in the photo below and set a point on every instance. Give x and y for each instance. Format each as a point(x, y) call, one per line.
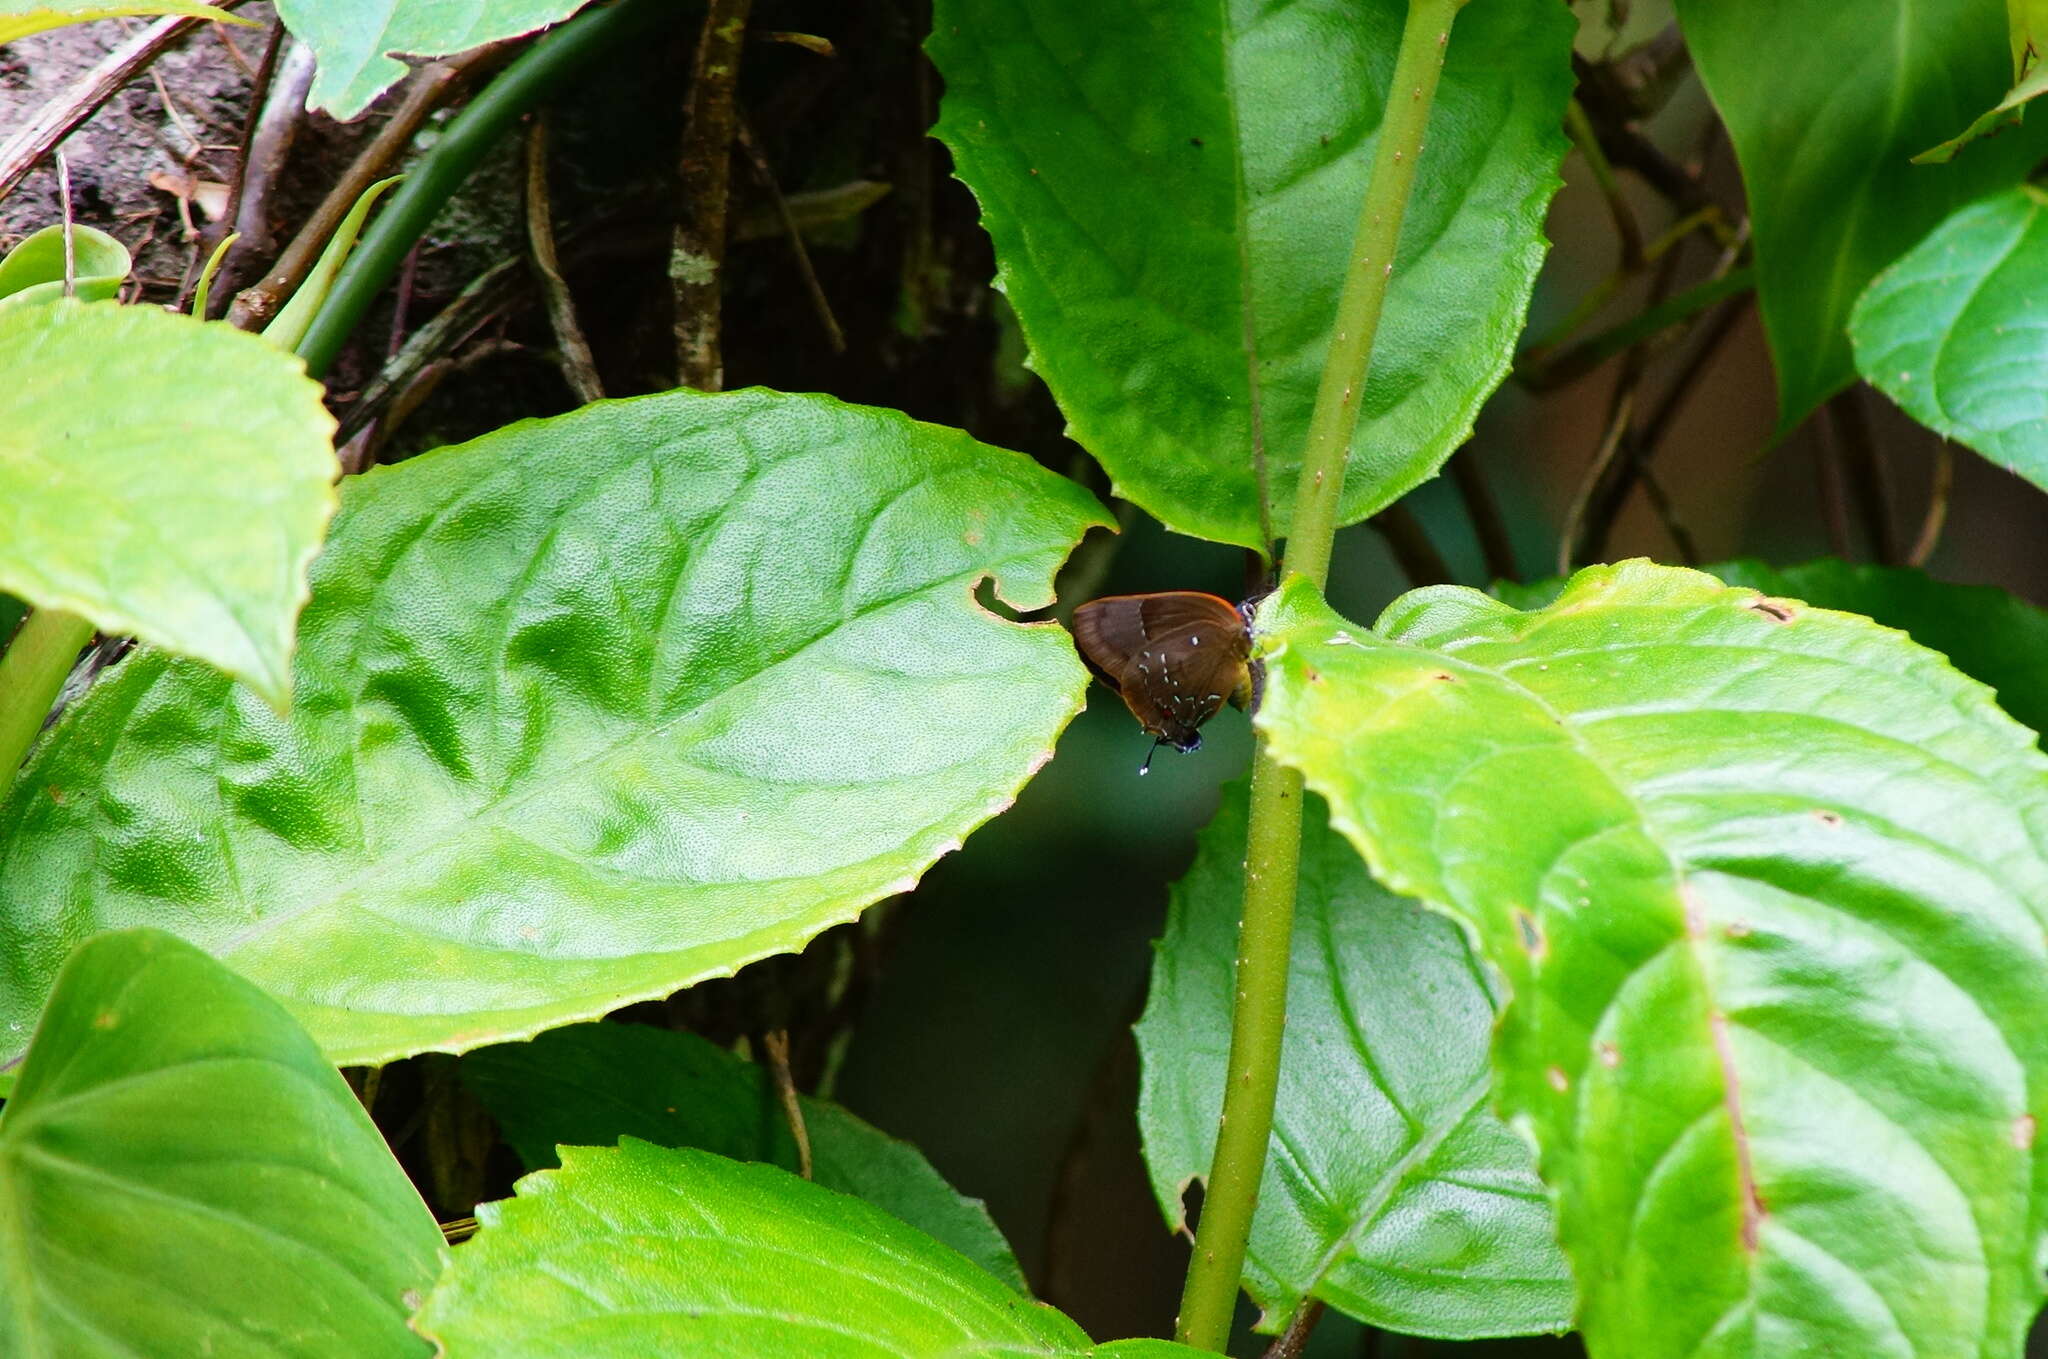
point(32, 670)
point(538, 72)
point(1273, 844)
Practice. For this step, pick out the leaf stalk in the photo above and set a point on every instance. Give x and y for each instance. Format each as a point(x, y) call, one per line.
point(32, 671)
point(1273, 841)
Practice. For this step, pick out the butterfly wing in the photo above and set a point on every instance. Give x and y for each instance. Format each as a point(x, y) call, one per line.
point(1174, 657)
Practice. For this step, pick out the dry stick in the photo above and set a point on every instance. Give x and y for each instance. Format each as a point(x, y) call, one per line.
point(277, 127)
point(1937, 504)
point(766, 174)
point(1603, 458)
point(56, 120)
point(425, 90)
point(1294, 1339)
point(1869, 476)
point(238, 182)
point(775, 1043)
point(579, 367)
point(70, 237)
point(697, 262)
point(1488, 525)
point(1273, 838)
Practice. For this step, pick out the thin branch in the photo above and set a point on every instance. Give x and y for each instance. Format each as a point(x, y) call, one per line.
point(1575, 519)
point(1580, 128)
point(1488, 526)
point(1413, 551)
point(775, 1043)
point(1937, 504)
point(764, 172)
point(1294, 1339)
point(697, 262)
point(425, 90)
point(1829, 486)
point(56, 120)
point(1870, 483)
point(259, 97)
point(277, 127)
point(579, 367)
point(70, 234)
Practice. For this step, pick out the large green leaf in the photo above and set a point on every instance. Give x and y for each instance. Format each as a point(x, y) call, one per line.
point(1167, 182)
point(590, 709)
point(1826, 102)
point(639, 1250)
point(1986, 633)
point(162, 477)
point(1767, 885)
point(357, 42)
point(33, 271)
point(1949, 331)
point(182, 1173)
point(591, 1084)
point(1392, 1193)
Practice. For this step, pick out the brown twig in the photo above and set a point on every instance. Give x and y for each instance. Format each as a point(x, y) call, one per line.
point(697, 261)
point(579, 367)
point(56, 120)
point(282, 114)
point(1413, 551)
point(1484, 512)
point(70, 237)
point(1667, 514)
point(1937, 504)
point(259, 98)
point(775, 1043)
point(425, 90)
point(1569, 551)
point(1868, 475)
point(1580, 129)
point(1828, 485)
point(1294, 1339)
point(766, 174)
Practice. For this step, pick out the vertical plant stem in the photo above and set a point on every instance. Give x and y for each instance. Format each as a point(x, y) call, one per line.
point(697, 263)
point(32, 671)
point(1273, 843)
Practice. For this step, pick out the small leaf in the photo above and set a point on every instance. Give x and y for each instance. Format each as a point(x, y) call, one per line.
point(591, 1084)
point(1950, 331)
point(183, 1173)
point(1392, 1193)
point(590, 709)
point(640, 1250)
point(2007, 112)
point(1767, 885)
point(1157, 209)
point(357, 42)
point(1824, 130)
point(289, 326)
point(180, 501)
point(19, 18)
point(34, 270)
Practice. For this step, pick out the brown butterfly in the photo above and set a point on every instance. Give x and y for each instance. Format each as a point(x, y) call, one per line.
point(1173, 656)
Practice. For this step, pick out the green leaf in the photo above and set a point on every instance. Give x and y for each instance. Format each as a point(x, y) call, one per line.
point(1949, 331)
point(2007, 112)
point(162, 477)
point(1826, 103)
point(290, 324)
point(640, 1250)
point(590, 1084)
point(181, 1172)
point(1155, 206)
point(34, 270)
point(590, 709)
point(19, 18)
point(1766, 884)
point(1989, 635)
point(1393, 1193)
point(356, 42)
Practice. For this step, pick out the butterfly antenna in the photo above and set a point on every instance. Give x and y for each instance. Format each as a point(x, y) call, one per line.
point(1146, 767)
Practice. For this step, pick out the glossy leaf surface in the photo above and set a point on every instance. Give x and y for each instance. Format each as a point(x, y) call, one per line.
point(591, 1084)
point(1989, 635)
point(1825, 128)
point(33, 271)
point(1392, 1192)
point(1950, 332)
point(358, 42)
point(1766, 884)
point(180, 503)
point(639, 1250)
point(589, 709)
point(1156, 207)
point(182, 1173)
